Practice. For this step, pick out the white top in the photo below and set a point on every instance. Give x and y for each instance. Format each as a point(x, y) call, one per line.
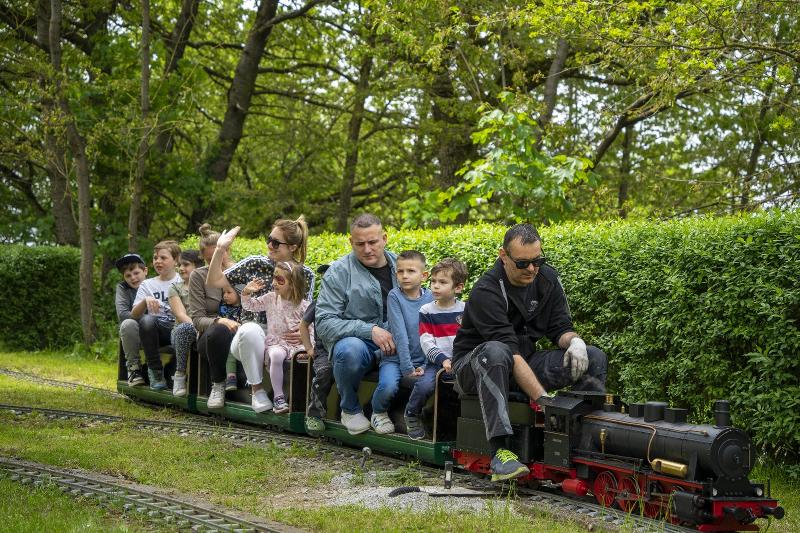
point(158, 289)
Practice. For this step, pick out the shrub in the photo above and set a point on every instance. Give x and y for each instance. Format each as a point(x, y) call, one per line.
point(688, 311)
point(39, 288)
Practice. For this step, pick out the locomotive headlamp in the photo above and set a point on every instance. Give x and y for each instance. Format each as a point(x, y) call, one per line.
point(759, 492)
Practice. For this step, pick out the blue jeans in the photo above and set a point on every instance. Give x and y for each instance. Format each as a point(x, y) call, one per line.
point(423, 389)
point(388, 385)
point(352, 358)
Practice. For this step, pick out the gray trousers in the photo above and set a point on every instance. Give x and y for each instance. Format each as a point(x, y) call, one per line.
point(129, 335)
point(320, 385)
point(487, 369)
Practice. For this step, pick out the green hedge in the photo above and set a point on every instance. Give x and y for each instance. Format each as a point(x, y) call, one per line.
point(688, 311)
point(695, 310)
point(39, 293)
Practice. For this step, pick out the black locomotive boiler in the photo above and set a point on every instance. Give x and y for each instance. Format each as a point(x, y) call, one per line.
point(647, 460)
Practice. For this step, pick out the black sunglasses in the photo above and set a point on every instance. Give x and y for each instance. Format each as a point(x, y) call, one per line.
point(275, 243)
point(523, 264)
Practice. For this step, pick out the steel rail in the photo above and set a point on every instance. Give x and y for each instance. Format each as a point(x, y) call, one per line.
point(156, 506)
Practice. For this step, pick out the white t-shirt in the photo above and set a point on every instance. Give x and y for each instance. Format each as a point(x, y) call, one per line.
point(158, 289)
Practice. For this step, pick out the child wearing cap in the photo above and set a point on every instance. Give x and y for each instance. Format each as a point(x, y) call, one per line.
point(133, 271)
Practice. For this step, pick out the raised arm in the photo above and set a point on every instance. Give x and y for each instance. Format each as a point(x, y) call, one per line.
point(216, 278)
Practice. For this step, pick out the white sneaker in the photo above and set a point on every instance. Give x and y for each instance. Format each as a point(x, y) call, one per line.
point(382, 424)
point(261, 401)
point(356, 423)
point(216, 399)
point(179, 384)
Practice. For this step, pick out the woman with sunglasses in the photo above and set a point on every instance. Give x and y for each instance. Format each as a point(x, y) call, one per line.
point(287, 241)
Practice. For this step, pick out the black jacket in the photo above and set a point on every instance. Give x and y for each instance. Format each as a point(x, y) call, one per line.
point(516, 316)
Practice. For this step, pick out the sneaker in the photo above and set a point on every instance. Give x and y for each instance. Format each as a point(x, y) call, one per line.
point(261, 401)
point(157, 381)
point(382, 424)
point(414, 427)
point(280, 405)
point(505, 465)
point(356, 423)
point(216, 400)
point(314, 425)
point(230, 383)
point(135, 377)
point(179, 384)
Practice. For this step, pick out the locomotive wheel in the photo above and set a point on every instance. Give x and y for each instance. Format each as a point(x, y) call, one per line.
point(653, 503)
point(605, 488)
point(629, 494)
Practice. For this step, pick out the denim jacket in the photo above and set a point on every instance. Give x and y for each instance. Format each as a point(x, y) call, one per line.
point(349, 302)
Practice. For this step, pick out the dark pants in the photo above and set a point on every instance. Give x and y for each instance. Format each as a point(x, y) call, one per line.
point(153, 334)
point(321, 384)
point(215, 345)
point(487, 370)
point(424, 388)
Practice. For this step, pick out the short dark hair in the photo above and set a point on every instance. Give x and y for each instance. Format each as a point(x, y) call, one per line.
point(365, 220)
point(456, 269)
point(525, 233)
point(412, 255)
point(192, 256)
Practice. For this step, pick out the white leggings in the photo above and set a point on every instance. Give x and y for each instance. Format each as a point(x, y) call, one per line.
point(277, 354)
point(248, 347)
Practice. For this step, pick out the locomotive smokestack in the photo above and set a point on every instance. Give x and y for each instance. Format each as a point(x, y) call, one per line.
point(722, 413)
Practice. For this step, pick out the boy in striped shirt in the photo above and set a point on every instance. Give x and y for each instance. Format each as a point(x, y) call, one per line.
point(438, 323)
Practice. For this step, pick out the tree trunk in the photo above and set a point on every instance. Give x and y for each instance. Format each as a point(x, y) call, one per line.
point(353, 137)
point(625, 173)
point(141, 156)
point(453, 135)
point(176, 46)
point(66, 231)
point(240, 93)
point(78, 146)
point(551, 89)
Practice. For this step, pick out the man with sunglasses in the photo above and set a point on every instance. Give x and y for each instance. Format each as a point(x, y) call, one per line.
point(513, 305)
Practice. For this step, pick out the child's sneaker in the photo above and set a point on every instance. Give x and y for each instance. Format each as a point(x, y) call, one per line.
point(414, 427)
point(280, 405)
point(179, 384)
point(230, 383)
point(382, 424)
point(157, 381)
point(314, 425)
point(135, 377)
point(216, 399)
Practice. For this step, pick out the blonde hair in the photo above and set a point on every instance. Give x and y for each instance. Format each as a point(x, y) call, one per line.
point(208, 237)
point(296, 233)
point(171, 246)
point(296, 279)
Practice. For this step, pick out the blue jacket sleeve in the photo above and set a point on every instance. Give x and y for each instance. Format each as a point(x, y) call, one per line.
point(397, 325)
point(331, 305)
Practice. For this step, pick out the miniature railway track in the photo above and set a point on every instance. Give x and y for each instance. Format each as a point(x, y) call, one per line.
point(592, 511)
point(56, 383)
point(529, 497)
point(168, 510)
point(263, 436)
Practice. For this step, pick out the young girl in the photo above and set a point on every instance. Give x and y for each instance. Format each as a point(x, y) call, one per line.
point(183, 334)
point(284, 306)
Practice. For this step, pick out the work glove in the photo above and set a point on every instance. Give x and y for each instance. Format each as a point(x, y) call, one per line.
point(576, 358)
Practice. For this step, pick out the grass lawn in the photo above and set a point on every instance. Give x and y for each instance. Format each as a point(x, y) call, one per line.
point(289, 485)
